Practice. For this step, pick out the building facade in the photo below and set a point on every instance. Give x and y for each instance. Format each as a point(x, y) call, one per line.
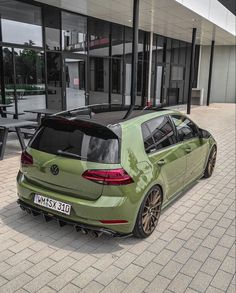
point(61, 59)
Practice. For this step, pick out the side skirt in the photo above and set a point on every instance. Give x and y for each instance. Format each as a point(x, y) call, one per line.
point(181, 193)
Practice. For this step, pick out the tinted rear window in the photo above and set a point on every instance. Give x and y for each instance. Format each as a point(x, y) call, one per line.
point(70, 139)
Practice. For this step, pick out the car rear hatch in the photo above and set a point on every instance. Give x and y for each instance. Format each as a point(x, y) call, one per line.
point(62, 150)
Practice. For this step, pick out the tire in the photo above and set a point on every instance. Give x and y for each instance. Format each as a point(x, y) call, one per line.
point(210, 163)
point(149, 213)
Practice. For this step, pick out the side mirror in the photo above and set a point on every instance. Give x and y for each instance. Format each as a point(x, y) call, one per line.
point(200, 133)
point(181, 136)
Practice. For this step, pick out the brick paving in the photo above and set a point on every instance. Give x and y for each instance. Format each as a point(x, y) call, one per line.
point(192, 249)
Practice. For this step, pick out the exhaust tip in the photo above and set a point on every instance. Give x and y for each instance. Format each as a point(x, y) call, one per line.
point(61, 223)
point(34, 213)
point(84, 231)
point(28, 210)
point(96, 234)
point(22, 207)
point(47, 218)
point(77, 228)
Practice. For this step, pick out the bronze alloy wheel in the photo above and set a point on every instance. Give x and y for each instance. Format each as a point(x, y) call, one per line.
point(151, 211)
point(212, 161)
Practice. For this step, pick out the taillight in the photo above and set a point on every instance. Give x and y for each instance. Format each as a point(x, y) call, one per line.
point(108, 177)
point(112, 222)
point(26, 159)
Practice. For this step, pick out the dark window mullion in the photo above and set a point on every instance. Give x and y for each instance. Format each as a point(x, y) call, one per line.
point(2, 83)
point(14, 82)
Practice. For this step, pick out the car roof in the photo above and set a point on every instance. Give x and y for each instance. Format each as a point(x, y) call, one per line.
point(136, 117)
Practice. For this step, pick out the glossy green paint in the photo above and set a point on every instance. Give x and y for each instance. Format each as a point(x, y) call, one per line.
point(92, 202)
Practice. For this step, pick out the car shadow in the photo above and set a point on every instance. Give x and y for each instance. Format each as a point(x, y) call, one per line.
point(24, 226)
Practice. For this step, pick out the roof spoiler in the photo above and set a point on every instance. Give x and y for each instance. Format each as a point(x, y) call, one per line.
point(90, 110)
point(87, 126)
point(83, 110)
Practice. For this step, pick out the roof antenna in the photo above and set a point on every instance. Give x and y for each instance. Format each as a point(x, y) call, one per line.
point(134, 58)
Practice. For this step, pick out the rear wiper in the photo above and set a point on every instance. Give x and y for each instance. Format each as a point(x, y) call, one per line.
point(67, 154)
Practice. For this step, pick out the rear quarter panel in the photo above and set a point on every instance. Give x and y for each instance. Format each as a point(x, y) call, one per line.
point(135, 161)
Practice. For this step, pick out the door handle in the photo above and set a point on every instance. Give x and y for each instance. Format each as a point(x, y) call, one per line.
point(188, 150)
point(161, 162)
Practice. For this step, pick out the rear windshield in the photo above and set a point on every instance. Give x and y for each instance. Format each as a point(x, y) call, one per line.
point(88, 144)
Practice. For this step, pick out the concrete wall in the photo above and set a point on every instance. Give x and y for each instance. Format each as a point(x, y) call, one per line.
point(213, 11)
point(223, 73)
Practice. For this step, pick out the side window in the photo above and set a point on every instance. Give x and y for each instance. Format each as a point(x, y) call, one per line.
point(148, 140)
point(186, 128)
point(158, 133)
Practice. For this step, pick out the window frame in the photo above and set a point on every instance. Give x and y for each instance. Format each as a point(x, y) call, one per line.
point(145, 124)
point(176, 130)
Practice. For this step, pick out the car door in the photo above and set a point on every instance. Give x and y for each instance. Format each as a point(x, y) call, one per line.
point(165, 153)
point(194, 147)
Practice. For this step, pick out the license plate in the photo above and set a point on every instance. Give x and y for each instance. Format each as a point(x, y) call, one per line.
point(52, 204)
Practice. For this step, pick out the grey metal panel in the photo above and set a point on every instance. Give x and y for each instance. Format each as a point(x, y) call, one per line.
point(223, 74)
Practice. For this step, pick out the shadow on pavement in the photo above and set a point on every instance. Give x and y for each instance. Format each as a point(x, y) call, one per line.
point(66, 237)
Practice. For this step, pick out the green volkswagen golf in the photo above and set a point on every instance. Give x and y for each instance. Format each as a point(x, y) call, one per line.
point(106, 174)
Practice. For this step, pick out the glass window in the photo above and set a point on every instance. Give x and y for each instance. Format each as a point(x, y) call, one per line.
point(117, 81)
point(54, 81)
point(24, 79)
point(52, 22)
point(182, 53)
point(74, 32)
point(74, 82)
point(175, 52)
point(149, 143)
point(128, 41)
point(99, 80)
point(84, 142)
point(117, 40)
point(154, 48)
point(177, 73)
point(186, 129)
point(30, 82)
point(160, 49)
point(141, 37)
point(139, 78)
point(99, 37)
point(161, 132)
point(21, 23)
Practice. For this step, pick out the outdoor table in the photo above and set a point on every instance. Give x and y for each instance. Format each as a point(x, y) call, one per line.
point(5, 125)
point(40, 112)
point(2, 106)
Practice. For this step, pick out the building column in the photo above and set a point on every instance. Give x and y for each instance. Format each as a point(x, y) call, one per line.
point(134, 57)
point(2, 84)
point(150, 71)
point(191, 70)
point(210, 72)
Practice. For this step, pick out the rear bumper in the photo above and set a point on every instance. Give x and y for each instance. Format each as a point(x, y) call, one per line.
point(84, 213)
point(63, 221)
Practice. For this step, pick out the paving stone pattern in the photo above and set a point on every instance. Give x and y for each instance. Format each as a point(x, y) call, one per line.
point(192, 249)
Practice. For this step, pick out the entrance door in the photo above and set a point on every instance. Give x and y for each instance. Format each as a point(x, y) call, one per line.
point(74, 81)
